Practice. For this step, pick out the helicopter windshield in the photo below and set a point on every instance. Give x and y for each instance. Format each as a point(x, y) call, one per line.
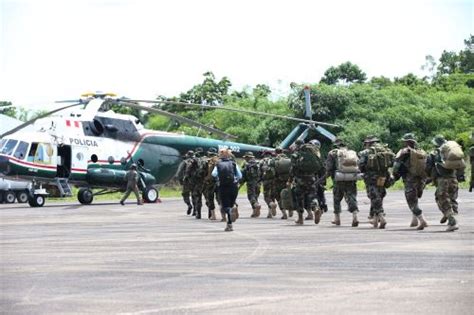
point(9, 146)
point(20, 151)
point(41, 153)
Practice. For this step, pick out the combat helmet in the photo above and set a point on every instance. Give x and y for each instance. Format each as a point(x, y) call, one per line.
point(316, 143)
point(212, 152)
point(371, 139)
point(438, 140)
point(338, 143)
point(409, 137)
point(190, 153)
point(249, 155)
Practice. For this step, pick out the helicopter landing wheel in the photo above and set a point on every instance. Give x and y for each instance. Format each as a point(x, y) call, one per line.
point(9, 197)
point(22, 196)
point(150, 194)
point(36, 200)
point(85, 196)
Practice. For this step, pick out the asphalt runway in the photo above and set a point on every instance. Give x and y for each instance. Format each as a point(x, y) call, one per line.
point(112, 259)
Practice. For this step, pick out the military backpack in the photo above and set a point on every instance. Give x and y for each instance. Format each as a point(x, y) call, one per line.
point(417, 166)
point(347, 161)
point(452, 156)
point(380, 158)
point(267, 169)
point(282, 166)
point(307, 160)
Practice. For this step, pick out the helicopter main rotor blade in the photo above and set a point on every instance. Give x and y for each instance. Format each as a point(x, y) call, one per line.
point(31, 121)
point(240, 111)
point(178, 118)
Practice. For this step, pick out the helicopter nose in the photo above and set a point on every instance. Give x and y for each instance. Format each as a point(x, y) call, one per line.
point(4, 168)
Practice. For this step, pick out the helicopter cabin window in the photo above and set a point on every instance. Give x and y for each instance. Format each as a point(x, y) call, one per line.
point(21, 150)
point(2, 143)
point(41, 153)
point(9, 146)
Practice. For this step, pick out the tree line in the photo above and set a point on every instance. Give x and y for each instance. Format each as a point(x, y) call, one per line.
point(442, 102)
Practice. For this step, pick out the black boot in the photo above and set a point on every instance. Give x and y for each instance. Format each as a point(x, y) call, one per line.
point(198, 213)
point(190, 208)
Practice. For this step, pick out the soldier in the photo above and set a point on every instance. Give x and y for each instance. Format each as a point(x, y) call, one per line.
point(228, 174)
point(445, 165)
point(185, 181)
point(209, 186)
point(375, 162)
point(282, 165)
point(132, 178)
point(410, 164)
point(251, 176)
point(267, 177)
point(320, 181)
point(195, 173)
point(304, 164)
point(341, 166)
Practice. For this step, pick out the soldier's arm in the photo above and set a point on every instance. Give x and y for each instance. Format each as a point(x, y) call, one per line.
point(330, 164)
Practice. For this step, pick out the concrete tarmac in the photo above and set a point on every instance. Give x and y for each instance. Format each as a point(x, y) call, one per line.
point(66, 258)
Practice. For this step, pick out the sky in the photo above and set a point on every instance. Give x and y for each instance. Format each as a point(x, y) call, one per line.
point(52, 50)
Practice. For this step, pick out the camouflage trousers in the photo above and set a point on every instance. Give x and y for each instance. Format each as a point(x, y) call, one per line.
point(196, 195)
point(413, 191)
point(305, 193)
point(446, 195)
point(269, 192)
point(209, 190)
point(375, 194)
point(279, 185)
point(253, 192)
point(186, 193)
point(348, 191)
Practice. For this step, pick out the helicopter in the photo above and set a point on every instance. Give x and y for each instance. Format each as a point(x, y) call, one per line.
point(88, 145)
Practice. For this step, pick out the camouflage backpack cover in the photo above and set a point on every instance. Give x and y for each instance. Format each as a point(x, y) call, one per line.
point(417, 164)
point(251, 170)
point(282, 166)
point(380, 158)
point(307, 159)
point(347, 161)
point(196, 168)
point(452, 156)
point(267, 169)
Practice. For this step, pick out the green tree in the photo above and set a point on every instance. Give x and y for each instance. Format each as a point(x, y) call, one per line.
point(344, 73)
point(7, 109)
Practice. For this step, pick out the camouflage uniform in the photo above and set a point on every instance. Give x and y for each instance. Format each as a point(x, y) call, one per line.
point(375, 181)
point(251, 176)
point(304, 188)
point(414, 185)
point(185, 181)
point(267, 176)
point(195, 175)
point(341, 189)
point(210, 185)
point(447, 185)
point(280, 182)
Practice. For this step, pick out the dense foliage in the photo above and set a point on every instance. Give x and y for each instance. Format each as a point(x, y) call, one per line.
point(442, 103)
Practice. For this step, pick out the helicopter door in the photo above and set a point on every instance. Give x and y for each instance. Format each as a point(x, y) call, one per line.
point(64, 161)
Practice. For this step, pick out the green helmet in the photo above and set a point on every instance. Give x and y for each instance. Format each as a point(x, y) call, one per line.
point(438, 140)
point(408, 137)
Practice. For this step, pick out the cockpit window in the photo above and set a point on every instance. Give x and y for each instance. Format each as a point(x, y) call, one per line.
point(41, 153)
point(9, 146)
point(2, 143)
point(20, 151)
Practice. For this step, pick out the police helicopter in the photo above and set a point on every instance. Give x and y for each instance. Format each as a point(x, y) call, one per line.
point(88, 145)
